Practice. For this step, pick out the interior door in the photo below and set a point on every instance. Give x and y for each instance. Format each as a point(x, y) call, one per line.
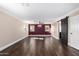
point(73, 34)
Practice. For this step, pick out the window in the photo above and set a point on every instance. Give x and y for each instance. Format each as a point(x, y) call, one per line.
point(47, 28)
point(32, 28)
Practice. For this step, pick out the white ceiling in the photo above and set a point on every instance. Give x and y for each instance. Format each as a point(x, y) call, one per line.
point(39, 11)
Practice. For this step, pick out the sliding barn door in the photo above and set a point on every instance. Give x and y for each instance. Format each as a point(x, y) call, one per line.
point(64, 31)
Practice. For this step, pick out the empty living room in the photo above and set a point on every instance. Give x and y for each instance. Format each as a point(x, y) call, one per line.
point(39, 29)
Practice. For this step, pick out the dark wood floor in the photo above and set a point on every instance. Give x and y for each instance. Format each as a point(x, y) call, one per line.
point(34, 47)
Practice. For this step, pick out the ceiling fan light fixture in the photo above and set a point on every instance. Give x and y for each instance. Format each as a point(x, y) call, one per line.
point(26, 4)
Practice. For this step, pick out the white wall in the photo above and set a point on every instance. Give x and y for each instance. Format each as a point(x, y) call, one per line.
point(73, 34)
point(26, 25)
point(54, 30)
point(11, 30)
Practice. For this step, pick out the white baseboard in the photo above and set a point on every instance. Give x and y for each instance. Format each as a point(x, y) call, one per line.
point(8, 45)
point(76, 47)
point(56, 37)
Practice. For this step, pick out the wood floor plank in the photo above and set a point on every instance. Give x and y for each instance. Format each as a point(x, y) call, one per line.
point(30, 46)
